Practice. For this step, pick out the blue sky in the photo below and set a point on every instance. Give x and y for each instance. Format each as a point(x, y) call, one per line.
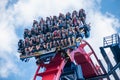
point(111, 6)
point(104, 16)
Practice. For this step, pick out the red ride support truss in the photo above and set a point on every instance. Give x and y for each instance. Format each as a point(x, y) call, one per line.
point(56, 65)
point(53, 69)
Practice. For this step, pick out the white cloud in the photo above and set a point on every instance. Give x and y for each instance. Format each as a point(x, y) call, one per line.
point(23, 12)
point(101, 26)
point(7, 42)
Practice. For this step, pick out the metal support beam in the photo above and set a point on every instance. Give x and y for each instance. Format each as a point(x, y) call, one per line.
point(108, 61)
point(105, 72)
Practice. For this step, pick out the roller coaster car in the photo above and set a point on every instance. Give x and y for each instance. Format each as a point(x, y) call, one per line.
point(46, 58)
point(44, 55)
point(85, 30)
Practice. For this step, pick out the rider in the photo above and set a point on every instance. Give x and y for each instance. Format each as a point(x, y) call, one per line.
point(21, 46)
point(82, 15)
